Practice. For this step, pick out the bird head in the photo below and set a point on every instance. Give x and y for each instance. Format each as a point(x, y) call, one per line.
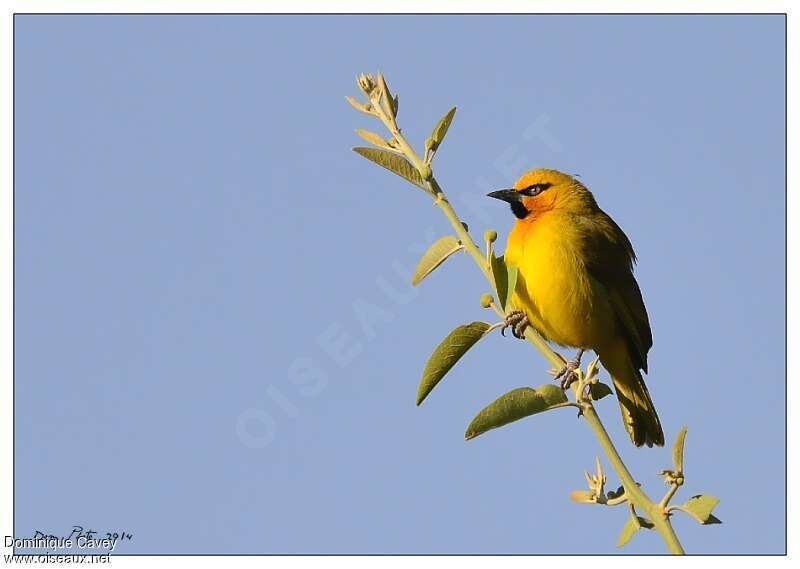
point(542, 190)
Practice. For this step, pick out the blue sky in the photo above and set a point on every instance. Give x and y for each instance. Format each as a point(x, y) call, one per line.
point(217, 345)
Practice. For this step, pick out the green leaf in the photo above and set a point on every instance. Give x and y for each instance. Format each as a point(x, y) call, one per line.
point(634, 524)
point(505, 280)
point(677, 450)
point(383, 86)
point(631, 526)
point(513, 272)
point(435, 256)
point(700, 507)
point(516, 404)
point(373, 138)
point(599, 390)
point(393, 162)
point(440, 130)
point(363, 107)
point(447, 353)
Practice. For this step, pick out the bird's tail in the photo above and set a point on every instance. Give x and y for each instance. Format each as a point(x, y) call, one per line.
point(638, 412)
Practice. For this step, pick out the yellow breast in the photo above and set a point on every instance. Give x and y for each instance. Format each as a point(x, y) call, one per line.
point(553, 288)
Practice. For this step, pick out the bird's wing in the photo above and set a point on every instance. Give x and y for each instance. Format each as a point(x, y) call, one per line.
point(609, 258)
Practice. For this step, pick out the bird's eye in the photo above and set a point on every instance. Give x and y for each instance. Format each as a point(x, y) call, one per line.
point(535, 189)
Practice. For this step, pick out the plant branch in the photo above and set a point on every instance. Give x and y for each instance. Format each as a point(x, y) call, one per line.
point(657, 513)
point(440, 200)
point(635, 494)
point(668, 496)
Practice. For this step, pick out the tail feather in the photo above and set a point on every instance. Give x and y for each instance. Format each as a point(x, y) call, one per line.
point(638, 412)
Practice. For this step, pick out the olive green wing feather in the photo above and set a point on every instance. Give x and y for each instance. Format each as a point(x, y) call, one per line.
point(609, 258)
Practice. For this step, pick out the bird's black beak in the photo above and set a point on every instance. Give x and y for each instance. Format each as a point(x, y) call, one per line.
point(514, 198)
point(511, 196)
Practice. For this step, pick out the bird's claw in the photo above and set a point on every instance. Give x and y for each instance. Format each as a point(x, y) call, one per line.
point(567, 376)
point(567, 373)
point(517, 321)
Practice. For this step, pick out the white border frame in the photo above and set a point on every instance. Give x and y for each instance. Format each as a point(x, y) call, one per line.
point(387, 6)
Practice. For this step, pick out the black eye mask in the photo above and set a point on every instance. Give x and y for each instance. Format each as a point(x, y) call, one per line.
point(514, 197)
point(535, 189)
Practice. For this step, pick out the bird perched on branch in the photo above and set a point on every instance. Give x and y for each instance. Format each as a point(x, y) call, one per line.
point(576, 287)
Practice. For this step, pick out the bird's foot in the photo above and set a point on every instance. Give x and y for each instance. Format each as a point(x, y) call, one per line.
point(567, 373)
point(517, 321)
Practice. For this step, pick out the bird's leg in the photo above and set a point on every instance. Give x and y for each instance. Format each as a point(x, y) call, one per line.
point(567, 373)
point(517, 321)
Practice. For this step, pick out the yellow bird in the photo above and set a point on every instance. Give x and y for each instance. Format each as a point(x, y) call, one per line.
point(576, 287)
